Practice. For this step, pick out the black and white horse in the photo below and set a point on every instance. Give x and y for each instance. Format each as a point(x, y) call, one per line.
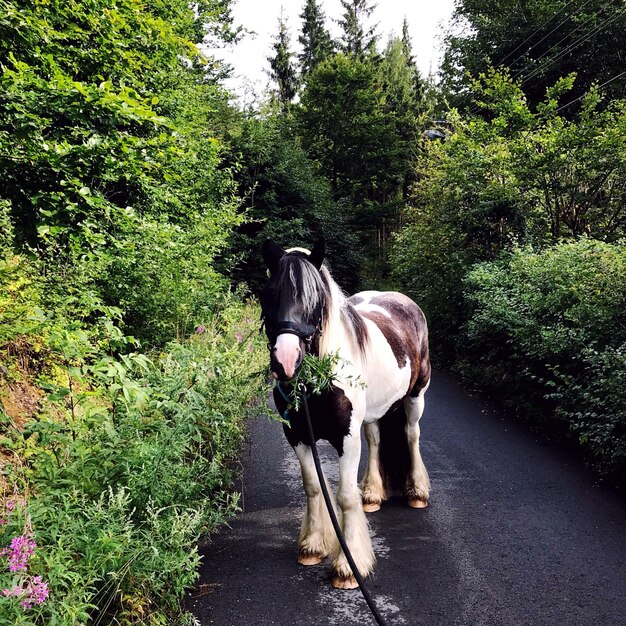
point(382, 341)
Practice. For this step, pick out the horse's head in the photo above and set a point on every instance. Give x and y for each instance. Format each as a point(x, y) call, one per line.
point(292, 304)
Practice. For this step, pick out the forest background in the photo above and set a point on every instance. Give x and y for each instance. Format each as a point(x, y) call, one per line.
point(135, 193)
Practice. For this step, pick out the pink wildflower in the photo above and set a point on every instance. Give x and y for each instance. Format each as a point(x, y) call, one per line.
point(38, 591)
point(250, 348)
point(32, 591)
point(21, 549)
point(239, 337)
point(200, 330)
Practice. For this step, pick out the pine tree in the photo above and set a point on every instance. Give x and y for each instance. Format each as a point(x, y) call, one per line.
point(357, 41)
point(406, 41)
point(403, 104)
point(316, 42)
point(418, 82)
point(282, 69)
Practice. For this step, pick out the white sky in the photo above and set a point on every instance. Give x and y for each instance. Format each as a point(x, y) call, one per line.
point(426, 20)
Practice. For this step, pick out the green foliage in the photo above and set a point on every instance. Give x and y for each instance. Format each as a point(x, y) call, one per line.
point(282, 70)
point(285, 198)
point(548, 328)
point(164, 276)
point(403, 106)
point(357, 40)
point(130, 461)
point(545, 40)
point(115, 202)
point(317, 375)
point(344, 127)
point(517, 302)
point(593, 401)
point(104, 135)
point(359, 122)
point(517, 178)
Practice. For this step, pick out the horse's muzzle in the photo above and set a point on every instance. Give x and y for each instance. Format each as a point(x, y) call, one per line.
point(286, 356)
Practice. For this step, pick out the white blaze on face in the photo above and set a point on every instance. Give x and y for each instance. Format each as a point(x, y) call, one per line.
point(287, 352)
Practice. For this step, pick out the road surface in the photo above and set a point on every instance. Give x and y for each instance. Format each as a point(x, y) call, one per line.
point(517, 533)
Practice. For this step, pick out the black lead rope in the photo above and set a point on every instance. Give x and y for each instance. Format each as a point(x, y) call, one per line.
point(333, 517)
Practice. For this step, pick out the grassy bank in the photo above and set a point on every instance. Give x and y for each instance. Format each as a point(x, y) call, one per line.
point(114, 462)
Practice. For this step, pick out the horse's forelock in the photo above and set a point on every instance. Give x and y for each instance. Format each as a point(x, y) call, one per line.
point(312, 288)
point(303, 280)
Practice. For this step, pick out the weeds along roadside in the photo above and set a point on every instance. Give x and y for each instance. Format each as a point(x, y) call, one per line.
point(127, 460)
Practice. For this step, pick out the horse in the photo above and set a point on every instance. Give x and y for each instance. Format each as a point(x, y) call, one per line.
point(381, 374)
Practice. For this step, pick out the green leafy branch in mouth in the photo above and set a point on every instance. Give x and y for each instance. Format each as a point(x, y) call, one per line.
point(318, 374)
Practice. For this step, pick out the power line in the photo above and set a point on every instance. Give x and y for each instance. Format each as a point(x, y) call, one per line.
point(564, 106)
point(553, 46)
point(571, 46)
point(539, 29)
point(598, 87)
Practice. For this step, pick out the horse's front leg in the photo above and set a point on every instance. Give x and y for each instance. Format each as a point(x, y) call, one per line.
point(355, 526)
point(317, 537)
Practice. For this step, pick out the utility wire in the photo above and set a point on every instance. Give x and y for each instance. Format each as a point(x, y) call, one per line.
point(474, 108)
point(569, 17)
point(571, 46)
point(598, 87)
point(604, 84)
point(553, 46)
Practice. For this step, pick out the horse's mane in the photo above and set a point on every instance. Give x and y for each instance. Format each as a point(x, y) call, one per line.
point(311, 286)
point(338, 314)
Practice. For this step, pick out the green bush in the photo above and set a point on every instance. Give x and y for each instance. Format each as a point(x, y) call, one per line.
point(548, 330)
point(109, 162)
point(594, 403)
point(514, 177)
point(129, 462)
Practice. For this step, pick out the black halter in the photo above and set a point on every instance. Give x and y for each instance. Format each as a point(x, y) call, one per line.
point(306, 332)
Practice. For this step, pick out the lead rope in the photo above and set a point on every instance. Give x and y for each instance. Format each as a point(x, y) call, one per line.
point(333, 517)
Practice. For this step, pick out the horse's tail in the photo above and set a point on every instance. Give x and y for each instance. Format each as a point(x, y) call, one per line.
point(393, 450)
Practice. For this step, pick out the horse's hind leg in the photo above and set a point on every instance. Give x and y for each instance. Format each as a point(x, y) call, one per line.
point(417, 488)
point(372, 488)
point(317, 537)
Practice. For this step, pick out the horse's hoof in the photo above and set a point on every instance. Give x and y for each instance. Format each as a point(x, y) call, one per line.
point(371, 507)
point(417, 504)
point(310, 559)
point(341, 582)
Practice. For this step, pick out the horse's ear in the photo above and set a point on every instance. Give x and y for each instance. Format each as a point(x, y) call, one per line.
point(272, 253)
point(317, 254)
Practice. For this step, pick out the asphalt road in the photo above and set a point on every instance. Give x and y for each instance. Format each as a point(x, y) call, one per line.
point(517, 533)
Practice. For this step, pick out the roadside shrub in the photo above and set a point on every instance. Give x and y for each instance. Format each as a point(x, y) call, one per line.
point(511, 177)
point(594, 403)
point(112, 175)
point(548, 330)
point(114, 203)
point(130, 461)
